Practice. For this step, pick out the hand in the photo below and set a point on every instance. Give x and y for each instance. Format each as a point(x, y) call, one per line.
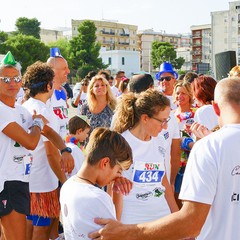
point(67, 162)
point(35, 115)
point(122, 185)
point(113, 230)
point(200, 130)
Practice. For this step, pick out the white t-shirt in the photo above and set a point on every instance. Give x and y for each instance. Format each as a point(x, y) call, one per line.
point(78, 158)
point(172, 132)
point(83, 99)
point(172, 104)
point(40, 166)
point(15, 160)
point(146, 201)
point(212, 177)
point(80, 204)
point(115, 91)
point(205, 115)
point(59, 108)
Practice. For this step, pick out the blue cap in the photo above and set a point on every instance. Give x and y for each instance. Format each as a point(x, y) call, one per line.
point(55, 52)
point(166, 67)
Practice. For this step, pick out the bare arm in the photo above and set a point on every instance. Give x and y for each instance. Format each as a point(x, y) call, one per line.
point(54, 160)
point(28, 140)
point(175, 160)
point(118, 202)
point(67, 160)
point(169, 195)
point(179, 225)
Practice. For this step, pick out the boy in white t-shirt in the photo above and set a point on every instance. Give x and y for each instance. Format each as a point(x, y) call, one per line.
point(78, 132)
point(107, 154)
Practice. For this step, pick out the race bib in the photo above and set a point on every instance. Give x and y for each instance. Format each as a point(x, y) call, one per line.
point(27, 159)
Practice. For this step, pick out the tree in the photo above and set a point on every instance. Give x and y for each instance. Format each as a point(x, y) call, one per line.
point(164, 51)
point(25, 49)
point(84, 50)
point(3, 36)
point(29, 27)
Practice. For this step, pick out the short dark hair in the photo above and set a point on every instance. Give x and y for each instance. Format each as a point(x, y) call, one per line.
point(140, 82)
point(76, 123)
point(106, 143)
point(190, 76)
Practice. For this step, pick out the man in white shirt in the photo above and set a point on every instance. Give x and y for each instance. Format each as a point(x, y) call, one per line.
point(117, 81)
point(210, 188)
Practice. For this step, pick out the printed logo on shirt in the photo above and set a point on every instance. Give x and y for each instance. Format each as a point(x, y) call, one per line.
point(236, 171)
point(22, 117)
point(18, 158)
point(166, 135)
point(235, 197)
point(144, 196)
point(17, 144)
point(60, 112)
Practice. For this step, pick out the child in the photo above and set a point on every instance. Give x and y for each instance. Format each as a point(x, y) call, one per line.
point(107, 154)
point(78, 132)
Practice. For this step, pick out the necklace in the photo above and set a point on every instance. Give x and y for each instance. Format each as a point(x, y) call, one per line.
point(87, 180)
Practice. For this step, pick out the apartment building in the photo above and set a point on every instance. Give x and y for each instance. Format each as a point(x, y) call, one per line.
point(145, 39)
point(201, 48)
point(226, 31)
point(112, 35)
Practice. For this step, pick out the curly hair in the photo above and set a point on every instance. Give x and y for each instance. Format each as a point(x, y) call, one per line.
point(132, 106)
point(37, 77)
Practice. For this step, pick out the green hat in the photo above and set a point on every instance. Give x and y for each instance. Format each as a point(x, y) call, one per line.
point(8, 59)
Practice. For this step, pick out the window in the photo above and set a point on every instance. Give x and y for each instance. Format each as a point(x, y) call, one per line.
point(109, 60)
point(123, 61)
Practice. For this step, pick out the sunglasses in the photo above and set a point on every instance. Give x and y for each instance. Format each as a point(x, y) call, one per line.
point(84, 84)
point(8, 79)
point(167, 78)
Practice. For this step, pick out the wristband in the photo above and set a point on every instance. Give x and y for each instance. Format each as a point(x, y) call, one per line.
point(185, 142)
point(38, 122)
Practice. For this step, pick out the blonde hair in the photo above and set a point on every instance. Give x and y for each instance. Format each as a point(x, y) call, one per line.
point(235, 71)
point(132, 106)
point(187, 86)
point(91, 98)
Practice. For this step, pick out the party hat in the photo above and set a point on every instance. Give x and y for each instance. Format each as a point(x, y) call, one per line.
point(9, 59)
point(55, 52)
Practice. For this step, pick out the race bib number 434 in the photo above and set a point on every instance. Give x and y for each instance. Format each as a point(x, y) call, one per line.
point(148, 172)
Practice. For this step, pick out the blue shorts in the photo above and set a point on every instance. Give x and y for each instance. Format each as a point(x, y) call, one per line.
point(39, 221)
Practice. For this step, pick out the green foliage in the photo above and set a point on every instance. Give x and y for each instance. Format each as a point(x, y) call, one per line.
point(25, 49)
point(164, 51)
point(3, 36)
point(84, 50)
point(29, 27)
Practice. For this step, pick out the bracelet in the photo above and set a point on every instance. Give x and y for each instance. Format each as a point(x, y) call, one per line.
point(185, 142)
point(38, 122)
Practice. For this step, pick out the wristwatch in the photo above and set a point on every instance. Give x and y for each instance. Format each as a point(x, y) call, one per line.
point(66, 149)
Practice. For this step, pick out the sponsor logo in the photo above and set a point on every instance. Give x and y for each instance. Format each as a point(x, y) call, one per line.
point(235, 197)
point(144, 196)
point(236, 171)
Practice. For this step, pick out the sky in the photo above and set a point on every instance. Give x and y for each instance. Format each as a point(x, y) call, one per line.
point(171, 16)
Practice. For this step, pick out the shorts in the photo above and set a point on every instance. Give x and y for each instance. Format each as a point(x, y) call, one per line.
point(15, 196)
point(39, 221)
point(179, 178)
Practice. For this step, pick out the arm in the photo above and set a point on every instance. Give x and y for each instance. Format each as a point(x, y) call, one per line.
point(54, 160)
point(169, 195)
point(175, 159)
point(185, 223)
point(77, 99)
point(67, 160)
point(118, 202)
point(18, 134)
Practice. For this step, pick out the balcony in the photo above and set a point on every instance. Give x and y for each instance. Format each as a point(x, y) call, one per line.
point(197, 44)
point(197, 53)
point(124, 34)
point(107, 42)
point(108, 33)
point(197, 36)
point(197, 60)
point(123, 43)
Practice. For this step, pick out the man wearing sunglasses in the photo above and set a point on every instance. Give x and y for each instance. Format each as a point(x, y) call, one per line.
point(167, 78)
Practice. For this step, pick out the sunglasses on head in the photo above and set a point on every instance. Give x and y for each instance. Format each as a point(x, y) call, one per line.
point(8, 79)
point(167, 78)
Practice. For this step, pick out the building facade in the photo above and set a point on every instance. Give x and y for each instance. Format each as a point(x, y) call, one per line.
point(146, 38)
point(226, 31)
point(112, 35)
point(128, 61)
point(201, 47)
